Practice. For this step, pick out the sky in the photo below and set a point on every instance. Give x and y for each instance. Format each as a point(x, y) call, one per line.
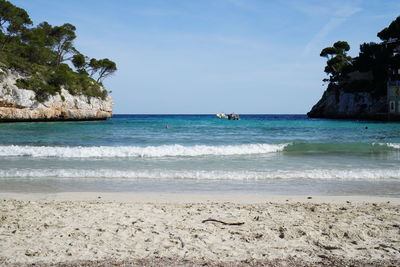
point(211, 56)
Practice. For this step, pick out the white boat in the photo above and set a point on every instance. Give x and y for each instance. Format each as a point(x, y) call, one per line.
point(232, 116)
point(221, 115)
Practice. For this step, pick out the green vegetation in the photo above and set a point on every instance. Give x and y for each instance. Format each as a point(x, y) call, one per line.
point(370, 70)
point(338, 61)
point(46, 54)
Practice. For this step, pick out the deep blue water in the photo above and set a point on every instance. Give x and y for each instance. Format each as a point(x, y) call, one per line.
point(259, 153)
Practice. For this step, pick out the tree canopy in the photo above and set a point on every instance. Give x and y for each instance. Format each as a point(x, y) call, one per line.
point(63, 38)
point(103, 68)
point(372, 63)
point(13, 19)
point(338, 60)
point(392, 32)
point(47, 54)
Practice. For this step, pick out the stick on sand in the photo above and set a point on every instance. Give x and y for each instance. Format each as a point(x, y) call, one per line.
point(224, 223)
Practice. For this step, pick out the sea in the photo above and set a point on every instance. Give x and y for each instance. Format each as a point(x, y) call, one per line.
point(202, 154)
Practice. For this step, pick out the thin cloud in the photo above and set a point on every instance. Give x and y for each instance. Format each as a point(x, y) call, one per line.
point(340, 16)
point(309, 8)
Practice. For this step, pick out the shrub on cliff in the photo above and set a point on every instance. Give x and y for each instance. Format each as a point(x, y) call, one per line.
point(46, 54)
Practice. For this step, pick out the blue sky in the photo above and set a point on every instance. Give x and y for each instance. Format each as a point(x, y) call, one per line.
point(210, 56)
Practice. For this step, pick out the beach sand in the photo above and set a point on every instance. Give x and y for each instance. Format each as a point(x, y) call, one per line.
point(105, 229)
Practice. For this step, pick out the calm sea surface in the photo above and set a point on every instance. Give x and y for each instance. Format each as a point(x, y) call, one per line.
point(273, 154)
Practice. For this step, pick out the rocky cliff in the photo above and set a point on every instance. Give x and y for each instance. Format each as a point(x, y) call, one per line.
point(21, 105)
point(344, 105)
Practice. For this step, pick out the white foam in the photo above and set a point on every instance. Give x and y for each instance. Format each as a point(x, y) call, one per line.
point(393, 145)
point(390, 145)
point(137, 151)
point(316, 174)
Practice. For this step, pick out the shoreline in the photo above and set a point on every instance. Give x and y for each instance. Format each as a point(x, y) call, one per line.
point(239, 198)
point(130, 187)
point(113, 229)
point(11, 121)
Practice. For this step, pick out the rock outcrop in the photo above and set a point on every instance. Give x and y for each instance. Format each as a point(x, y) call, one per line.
point(21, 105)
point(337, 104)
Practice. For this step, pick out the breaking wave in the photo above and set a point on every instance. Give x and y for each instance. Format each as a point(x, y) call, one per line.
point(317, 174)
point(392, 145)
point(137, 151)
point(342, 147)
point(190, 151)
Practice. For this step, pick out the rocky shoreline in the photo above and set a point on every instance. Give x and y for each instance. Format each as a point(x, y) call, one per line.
point(337, 104)
point(20, 105)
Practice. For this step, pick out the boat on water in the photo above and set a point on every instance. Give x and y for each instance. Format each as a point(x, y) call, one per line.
point(232, 116)
point(221, 115)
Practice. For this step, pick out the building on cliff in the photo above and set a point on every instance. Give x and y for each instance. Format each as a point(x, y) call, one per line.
point(393, 84)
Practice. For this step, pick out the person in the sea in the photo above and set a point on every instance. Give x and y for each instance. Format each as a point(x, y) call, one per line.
point(166, 126)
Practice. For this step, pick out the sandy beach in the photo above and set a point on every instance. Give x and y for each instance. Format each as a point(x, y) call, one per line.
point(104, 229)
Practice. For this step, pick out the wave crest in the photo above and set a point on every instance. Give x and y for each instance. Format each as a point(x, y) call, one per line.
point(136, 151)
point(312, 174)
point(391, 145)
point(190, 151)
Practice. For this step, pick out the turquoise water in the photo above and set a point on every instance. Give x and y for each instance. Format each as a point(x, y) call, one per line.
point(201, 153)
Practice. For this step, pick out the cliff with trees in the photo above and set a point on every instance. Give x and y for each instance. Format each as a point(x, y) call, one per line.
point(357, 88)
point(43, 76)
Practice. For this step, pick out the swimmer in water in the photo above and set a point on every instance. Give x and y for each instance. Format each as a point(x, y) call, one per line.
point(166, 126)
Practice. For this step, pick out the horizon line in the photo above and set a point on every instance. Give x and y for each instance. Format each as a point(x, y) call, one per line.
point(117, 114)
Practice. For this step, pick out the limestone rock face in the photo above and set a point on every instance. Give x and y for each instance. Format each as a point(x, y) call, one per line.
point(20, 105)
point(343, 105)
